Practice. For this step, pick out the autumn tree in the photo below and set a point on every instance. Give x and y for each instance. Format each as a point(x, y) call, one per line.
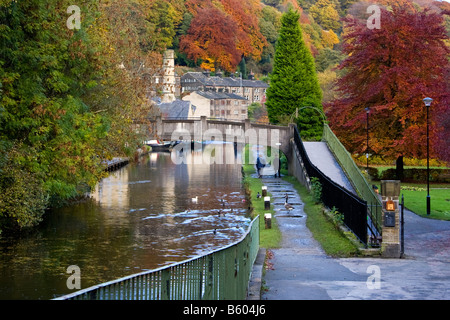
point(222, 32)
point(389, 71)
point(293, 83)
point(68, 100)
point(212, 37)
point(326, 14)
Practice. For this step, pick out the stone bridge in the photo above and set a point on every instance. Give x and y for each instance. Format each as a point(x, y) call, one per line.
point(204, 129)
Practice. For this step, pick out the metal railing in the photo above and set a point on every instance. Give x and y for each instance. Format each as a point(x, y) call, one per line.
point(357, 179)
point(220, 275)
point(352, 207)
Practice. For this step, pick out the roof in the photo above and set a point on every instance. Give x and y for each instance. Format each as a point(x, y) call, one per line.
point(212, 95)
point(175, 109)
point(225, 82)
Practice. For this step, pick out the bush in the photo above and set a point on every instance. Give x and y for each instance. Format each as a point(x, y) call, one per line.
point(417, 175)
point(316, 189)
point(23, 199)
point(373, 173)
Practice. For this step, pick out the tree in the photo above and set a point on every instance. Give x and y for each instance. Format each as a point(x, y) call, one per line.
point(293, 83)
point(390, 70)
point(325, 13)
point(212, 37)
point(222, 32)
point(67, 100)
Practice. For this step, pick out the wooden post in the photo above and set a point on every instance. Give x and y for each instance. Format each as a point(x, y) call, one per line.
point(268, 220)
point(266, 203)
point(264, 191)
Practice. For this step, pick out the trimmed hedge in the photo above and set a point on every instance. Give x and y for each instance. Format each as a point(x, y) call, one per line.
point(412, 175)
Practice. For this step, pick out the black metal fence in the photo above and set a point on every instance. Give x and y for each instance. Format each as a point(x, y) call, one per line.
point(352, 207)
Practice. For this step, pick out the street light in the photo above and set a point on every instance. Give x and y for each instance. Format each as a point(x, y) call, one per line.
point(427, 102)
point(367, 144)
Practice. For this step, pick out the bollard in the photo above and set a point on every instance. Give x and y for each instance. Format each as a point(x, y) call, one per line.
point(264, 191)
point(266, 203)
point(268, 220)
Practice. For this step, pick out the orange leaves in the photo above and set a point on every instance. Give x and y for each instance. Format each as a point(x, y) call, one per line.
point(212, 36)
point(222, 32)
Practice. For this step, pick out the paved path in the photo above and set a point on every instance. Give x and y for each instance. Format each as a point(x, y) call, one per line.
point(302, 271)
point(322, 158)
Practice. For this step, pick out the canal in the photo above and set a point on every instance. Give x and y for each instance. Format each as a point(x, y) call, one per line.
point(141, 217)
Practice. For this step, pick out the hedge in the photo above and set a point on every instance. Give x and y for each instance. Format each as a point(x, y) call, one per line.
point(412, 175)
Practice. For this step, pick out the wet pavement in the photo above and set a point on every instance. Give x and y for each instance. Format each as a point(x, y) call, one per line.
point(300, 269)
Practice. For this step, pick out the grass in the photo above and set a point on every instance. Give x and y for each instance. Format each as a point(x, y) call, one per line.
point(268, 238)
point(415, 195)
point(333, 242)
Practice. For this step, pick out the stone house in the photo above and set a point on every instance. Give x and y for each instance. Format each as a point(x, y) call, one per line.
point(252, 90)
point(217, 105)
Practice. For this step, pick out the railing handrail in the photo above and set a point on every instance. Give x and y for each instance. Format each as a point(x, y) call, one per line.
point(162, 268)
point(355, 175)
point(353, 207)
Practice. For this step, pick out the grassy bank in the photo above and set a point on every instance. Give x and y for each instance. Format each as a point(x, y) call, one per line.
point(269, 238)
point(333, 242)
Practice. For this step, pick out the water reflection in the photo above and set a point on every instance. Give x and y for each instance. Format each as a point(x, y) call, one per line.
point(139, 218)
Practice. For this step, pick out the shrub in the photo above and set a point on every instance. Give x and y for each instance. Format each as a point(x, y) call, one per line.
point(316, 189)
point(22, 199)
point(416, 175)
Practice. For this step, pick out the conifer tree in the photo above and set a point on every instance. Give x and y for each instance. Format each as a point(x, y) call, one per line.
point(293, 83)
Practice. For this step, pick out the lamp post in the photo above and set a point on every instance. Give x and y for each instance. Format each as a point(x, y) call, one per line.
point(367, 143)
point(427, 102)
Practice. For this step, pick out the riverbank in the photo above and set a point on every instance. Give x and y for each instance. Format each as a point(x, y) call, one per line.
point(269, 238)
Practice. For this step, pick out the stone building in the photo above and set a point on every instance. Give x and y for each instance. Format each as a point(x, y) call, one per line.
point(217, 105)
point(252, 90)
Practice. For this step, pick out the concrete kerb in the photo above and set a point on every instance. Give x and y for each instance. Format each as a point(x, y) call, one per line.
point(255, 282)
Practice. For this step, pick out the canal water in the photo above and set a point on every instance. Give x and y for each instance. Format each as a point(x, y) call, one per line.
point(141, 217)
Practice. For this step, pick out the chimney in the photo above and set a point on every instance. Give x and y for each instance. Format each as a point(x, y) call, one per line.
point(169, 76)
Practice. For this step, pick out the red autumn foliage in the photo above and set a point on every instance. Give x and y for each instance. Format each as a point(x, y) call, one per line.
point(390, 70)
point(223, 31)
point(212, 36)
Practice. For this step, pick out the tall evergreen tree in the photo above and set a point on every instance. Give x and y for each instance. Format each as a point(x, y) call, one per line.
point(293, 83)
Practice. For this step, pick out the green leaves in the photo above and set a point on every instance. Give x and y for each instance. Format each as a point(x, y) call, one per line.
point(293, 83)
point(54, 83)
